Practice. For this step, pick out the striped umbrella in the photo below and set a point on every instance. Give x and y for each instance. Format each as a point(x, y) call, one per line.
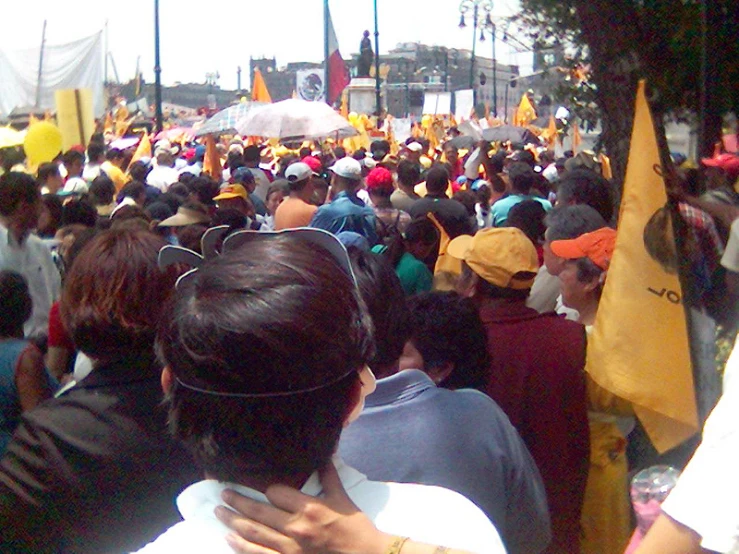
point(225, 120)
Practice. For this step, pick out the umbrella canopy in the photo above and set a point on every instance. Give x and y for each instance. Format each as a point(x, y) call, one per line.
point(9, 137)
point(225, 120)
point(295, 119)
point(510, 133)
point(463, 141)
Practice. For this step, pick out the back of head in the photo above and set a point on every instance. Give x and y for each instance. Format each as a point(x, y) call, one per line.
point(529, 217)
point(95, 152)
point(252, 154)
point(569, 222)
point(522, 177)
point(139, 171)
point(73, 156)
point(446, 329)
point(47, 170)
point(246, 398)
point(102, 190)
point(409, 173)
point(16, 188)
point(437, 180)
point(15, 303)
point(115, 293)
point(583, 186)
point(113, 154)
point(383, 294)
point(205, 189)
point(79, 212)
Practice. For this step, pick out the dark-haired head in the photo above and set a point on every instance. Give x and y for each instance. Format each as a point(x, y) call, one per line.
point(529, 217)
point(50, 217)
point(447, 341)
point(15, 304)
point(276, 316)
point(102, 191)
point(437, 180)
point(79, 212)
point(383, 295)
point(115, 293)
point(583, 186)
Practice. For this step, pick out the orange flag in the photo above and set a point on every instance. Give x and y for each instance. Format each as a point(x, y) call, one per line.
point(551, 132)
point(212, 161)
point(605, 166)
point(525, 113)
point(259, 92)
point(108, 126)
point(576, 138)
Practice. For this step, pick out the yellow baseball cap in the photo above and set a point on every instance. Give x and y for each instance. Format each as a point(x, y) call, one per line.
point(504, 257)
point(232, 191)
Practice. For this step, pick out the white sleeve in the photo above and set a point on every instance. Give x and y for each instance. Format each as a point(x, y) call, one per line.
point(730, 259)
point(705, 496)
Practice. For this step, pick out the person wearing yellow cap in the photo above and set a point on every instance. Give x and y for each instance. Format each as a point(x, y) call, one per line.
point(606, 512)
point(536, 368)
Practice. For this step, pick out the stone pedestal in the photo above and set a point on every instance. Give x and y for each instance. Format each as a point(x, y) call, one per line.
point(361, 93)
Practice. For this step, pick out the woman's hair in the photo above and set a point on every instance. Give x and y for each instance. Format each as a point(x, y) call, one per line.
point(383, 295)
point(420, 230)
point(278, 315)
point(446, 328)
point(15, 303)
point(114, 294)
point(53, 204)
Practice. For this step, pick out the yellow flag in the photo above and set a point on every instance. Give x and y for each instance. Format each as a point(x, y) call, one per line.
point(344, 105)
point(143, 150)
point(639, 346)
point(32, 119)
point(212, 161)
point(576, 138)
point(525, 113)
point(108, 126)
point(259, 92)
point(447, 268)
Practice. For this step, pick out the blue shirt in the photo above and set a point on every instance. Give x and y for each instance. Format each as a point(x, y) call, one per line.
point(346, 213)
point(413, 432)
point(501, 208)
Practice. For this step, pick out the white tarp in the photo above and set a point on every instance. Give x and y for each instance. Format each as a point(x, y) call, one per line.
point(77, 64)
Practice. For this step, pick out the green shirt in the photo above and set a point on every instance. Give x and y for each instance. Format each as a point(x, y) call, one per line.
point(414, 276)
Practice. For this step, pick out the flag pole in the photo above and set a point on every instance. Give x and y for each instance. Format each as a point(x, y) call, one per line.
point(40, 67)
point(326, 75)
point(157, 72)
point(378, 96)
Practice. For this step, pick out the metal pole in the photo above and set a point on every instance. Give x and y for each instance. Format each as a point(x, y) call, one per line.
point(326, 72)
point(40, 67)
point(505, 115)
point(105, 74)
point(157, 72)
point(472, 59)
point(238, 79)
point(378, 96)
point(495, 78)
point(446, 69)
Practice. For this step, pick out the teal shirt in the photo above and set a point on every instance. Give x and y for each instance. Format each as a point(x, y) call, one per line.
point(414, 276)
point(501, 208)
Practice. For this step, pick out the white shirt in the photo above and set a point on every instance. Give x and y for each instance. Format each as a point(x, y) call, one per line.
point(730, 259)
point(162, 177)
point(706, 495)
point(33, 260)
point(423, 513)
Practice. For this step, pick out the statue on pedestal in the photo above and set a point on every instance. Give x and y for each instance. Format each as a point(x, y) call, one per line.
point(366, 56)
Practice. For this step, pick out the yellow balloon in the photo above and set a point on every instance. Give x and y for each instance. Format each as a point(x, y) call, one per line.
point(353, 118)
point(43, 143)
point(426, 121)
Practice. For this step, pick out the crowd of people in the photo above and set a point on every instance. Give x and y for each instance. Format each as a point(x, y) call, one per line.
point(405, 332)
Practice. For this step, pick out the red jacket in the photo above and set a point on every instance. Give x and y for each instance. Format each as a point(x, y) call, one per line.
point(537, 377)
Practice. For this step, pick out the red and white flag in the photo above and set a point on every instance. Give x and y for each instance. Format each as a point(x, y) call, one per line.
point(338, 72)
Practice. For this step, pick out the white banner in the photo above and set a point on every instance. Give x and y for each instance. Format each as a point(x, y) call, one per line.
point(75, 65)
point(437, 103)
point(309, 85)
point(402, 129)
point(464, 100)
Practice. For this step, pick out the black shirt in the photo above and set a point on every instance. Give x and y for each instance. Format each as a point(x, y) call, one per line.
point(451, 214)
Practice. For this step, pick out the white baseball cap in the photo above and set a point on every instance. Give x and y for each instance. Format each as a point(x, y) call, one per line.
point(349, 168)
point(414, 147)
point(298, 171)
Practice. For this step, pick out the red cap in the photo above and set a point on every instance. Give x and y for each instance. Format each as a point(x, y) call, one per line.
point(728, 162)
point(380, 180)
point(314, 163)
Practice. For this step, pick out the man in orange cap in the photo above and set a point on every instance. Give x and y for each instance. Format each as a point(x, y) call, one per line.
point(536, 369)
point(606, 509)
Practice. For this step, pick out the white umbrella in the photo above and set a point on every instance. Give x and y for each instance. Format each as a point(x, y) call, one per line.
point(225, 120)
point(295, 119)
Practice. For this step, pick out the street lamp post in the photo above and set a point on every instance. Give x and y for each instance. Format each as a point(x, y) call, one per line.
point(474, 5)
point(378, 94)
point(157, 72)
point(490, 27)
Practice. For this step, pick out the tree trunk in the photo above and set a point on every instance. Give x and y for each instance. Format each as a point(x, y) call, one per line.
point(611, 31)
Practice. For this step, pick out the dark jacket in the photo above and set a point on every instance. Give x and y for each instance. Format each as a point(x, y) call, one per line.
point(537, 377)
point(94, 470)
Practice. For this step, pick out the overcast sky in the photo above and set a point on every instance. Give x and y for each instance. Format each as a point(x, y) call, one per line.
point(204, 36)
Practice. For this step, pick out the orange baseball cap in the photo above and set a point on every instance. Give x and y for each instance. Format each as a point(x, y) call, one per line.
point(232, 191)
point(598, 246)
point(504, 256)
